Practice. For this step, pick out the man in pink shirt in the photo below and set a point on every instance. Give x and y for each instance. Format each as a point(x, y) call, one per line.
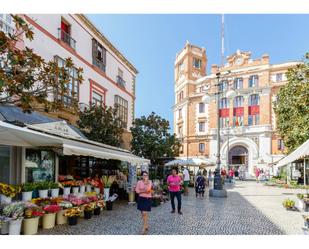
point(174, 182)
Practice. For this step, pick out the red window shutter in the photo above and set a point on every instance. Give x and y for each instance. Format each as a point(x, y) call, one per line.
point(224, 113)
point(65, 27)
point(238, 112)
point(254, 110)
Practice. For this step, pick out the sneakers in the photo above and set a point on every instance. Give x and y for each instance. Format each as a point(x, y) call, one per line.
point(179, 212)
point(173, 211)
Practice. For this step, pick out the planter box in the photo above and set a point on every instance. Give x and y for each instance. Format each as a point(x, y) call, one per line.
point(61, 219)
point(30, 226)
point(49, 220)
point(27, 196)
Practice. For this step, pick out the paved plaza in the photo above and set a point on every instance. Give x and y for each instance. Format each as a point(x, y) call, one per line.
point(251, 208)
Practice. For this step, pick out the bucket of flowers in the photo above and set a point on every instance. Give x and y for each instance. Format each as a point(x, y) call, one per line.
point(289, 204)
point(49, 218)
point(61, 218)
point(32, 214)
point(88, 209)
point(72, 214)
point(66, 186)
point(4, 225)
point(14, 211)
point(99, 206)
point(27, 190)
point(7, 192)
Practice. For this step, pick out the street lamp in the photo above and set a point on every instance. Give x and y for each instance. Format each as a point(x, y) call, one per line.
point(218, 190)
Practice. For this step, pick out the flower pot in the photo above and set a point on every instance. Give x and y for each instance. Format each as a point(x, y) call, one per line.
point(88, 188)
point(26, 196)
point(75, 190)
point(43, 193)
point(61, 219)
point(54, 192)
point(5, 200)
point(97, 211)
point(66, 191)
point(82, 189)
point(72, 221)
point(106, 193)
point(49, 220)
point(5, 228)
point(97, 190)
point(109, 205)
point(87, 215)
point(15, 227)
point(30, 226)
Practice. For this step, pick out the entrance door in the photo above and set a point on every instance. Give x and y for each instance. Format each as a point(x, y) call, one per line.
point(238, 156)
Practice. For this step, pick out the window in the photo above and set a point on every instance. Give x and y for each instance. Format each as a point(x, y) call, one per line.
point(253, 81)
point(98, 55)
point(224, 122)
point(201, 107)
point(280, 144)
point(201, 147)
point(278, 77)
point(238, 83)
point(180, 96)
point(71, 92)
point(254, 99)
point(224, 85)
point(65, 34)
point(201, 126)
point(40, 165)
point(97, 99)
point(254, 119)
point(224, 103)
point(180, 113)
point(197, 63)
point(120, 80)
point(6, 24)
point(122, 106)
point(238, 101)
point(5, 164)
point(238, 121)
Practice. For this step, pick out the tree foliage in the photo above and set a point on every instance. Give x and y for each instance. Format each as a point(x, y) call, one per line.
point(26, 78)
point(151, 138)
point(101, 124)
point(292, 106)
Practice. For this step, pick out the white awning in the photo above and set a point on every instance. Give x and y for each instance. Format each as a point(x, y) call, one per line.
point(195, 161)
point(23, 136)
point(300, 153)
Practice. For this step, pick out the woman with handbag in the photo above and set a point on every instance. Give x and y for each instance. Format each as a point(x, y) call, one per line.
point(144, 190)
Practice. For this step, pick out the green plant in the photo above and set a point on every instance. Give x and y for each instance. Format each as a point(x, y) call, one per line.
point(53, 185)
point(43, 185)
point(288, 203)
point(300, 196)
point(28, 187)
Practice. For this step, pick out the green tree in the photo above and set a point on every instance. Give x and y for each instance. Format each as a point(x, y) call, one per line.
point(101, 124)
point(26, 79)
point(151, 138)
point(292, 106)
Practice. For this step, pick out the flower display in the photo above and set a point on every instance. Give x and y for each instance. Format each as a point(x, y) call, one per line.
point(32, 211)
point(65, 204)
point(14, 210)
point(89, 207)
point(52, 208)
point(9, 190)
point(4, 219)
point(71, 212)
point(100, 204)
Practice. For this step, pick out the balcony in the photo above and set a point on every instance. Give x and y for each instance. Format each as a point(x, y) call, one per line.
point(98, 63)
point(6, 28)
point(65, 37)
point(121, 82)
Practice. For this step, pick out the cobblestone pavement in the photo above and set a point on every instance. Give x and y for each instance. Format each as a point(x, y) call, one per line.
point(250, 208)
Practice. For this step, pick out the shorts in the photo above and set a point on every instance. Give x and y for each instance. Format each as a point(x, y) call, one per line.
point(186, 183)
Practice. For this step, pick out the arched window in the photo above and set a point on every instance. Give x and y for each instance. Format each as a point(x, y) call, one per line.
point(254, 99)
point(253, 81)
point(238, 101)
point(224, 84)
point(238, 83)
point(224, 103)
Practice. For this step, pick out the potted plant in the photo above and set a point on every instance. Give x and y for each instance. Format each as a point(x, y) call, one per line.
point(7, 192)
point(99, 206)
point(15, 211)
point(49, 218)
point(72, 214)
point(288, 204)
point(43, 188)
point(54, 189)
point(107, 186)
point(27, 190)
point(88, 209)
point(4, 225)
point(75, 187)
point(66, 187)
point(61, 218)
point(31, 219)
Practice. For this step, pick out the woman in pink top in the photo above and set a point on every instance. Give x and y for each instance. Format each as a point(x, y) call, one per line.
point(174, 181)
point(144, 189)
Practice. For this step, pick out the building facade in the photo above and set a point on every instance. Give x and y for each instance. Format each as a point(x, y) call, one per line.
point(109, 78)
point(247, 121)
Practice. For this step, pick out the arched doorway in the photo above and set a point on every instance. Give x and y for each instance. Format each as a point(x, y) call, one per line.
point(238, 156)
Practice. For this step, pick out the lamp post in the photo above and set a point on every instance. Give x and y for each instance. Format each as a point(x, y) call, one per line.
point(218, 190)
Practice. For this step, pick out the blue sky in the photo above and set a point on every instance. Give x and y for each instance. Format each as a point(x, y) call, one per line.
point(151, 42)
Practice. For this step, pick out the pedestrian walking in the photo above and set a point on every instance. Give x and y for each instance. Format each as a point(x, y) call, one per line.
point(144, 189)
point(231, 175)
point(200, 185)
point(236, 173)
point(257, 174)
point(186, 180)
point(174, 182)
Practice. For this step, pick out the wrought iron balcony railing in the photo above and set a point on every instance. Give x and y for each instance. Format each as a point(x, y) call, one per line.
point(121, 82)
point(65, 37)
